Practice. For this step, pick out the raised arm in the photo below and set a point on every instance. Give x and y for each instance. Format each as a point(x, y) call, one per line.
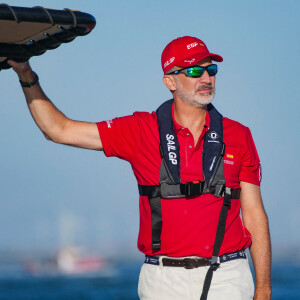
point(256, 221)
point(52, 122)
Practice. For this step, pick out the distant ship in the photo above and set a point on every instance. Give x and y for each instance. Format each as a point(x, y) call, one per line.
point(68, 261)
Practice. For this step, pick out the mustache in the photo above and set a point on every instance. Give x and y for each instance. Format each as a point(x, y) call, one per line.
point(205, 86)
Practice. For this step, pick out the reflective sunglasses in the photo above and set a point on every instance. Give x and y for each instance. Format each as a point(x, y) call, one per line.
point(197, 71)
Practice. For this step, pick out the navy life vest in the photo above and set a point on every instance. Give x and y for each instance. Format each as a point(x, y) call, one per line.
point(169, 179)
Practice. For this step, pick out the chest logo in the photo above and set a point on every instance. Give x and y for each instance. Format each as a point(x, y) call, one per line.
point(213, 137)
point(227, 161)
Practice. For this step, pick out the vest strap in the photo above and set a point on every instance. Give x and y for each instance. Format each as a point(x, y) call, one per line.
point(156, 218)
point(189, 189)
point(217, 245)
point(151, 191)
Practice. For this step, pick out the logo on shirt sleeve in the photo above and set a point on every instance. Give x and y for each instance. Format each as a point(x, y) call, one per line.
point(109, 122)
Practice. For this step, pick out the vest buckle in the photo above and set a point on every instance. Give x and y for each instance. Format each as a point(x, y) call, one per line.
point(227, 197)
point(192, 188)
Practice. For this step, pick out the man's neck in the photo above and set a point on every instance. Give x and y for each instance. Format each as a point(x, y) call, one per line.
point(189, 116)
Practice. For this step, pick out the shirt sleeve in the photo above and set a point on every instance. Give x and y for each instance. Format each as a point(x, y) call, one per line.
point(251, 168)
point(120, 137)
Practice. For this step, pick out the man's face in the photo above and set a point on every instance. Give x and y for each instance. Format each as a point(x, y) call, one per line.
point(195, 91)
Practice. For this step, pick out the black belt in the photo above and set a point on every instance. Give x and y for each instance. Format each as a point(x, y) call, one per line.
point(191, 262)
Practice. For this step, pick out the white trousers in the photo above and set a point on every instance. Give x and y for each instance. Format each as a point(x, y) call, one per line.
point(231, 281)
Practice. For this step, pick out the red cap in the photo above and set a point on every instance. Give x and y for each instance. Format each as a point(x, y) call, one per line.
point(185, 51)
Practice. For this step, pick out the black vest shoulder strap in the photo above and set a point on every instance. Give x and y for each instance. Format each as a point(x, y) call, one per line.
point(169, 146)
point(213, 153)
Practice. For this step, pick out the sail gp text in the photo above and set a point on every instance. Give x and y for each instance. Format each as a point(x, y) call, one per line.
point(171, 143)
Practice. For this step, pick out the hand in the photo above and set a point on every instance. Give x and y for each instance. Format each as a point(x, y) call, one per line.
point(23, 70)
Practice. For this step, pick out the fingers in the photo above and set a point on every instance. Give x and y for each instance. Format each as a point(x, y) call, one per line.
point(19, 67)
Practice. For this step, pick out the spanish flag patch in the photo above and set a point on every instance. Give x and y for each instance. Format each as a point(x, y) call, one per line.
point(229, 156)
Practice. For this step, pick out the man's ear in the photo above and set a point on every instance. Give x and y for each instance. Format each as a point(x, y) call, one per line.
point(170, 82)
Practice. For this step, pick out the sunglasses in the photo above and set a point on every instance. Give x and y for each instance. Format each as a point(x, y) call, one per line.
point(197, 71)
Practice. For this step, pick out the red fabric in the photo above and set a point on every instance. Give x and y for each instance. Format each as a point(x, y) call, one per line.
point(189, 225)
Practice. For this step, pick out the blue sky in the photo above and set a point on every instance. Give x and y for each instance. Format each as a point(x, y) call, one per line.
point(52, 194)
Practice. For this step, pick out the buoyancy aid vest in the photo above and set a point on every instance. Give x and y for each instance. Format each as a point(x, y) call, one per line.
point(170, 186)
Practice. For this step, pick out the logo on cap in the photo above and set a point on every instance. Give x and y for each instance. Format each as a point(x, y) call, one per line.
point(190, 46)
point(168, 62)
point(190, 61)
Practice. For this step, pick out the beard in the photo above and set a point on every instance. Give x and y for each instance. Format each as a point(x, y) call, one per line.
point(196, 98)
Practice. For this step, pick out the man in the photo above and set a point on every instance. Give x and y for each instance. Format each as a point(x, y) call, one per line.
point(191, 230)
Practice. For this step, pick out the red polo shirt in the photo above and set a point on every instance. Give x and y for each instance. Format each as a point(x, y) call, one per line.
point(189, 224)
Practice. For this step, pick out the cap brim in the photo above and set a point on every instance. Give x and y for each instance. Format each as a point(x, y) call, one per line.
point(196, 58)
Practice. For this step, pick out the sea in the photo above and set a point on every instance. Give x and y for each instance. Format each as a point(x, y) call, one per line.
point(118, 281)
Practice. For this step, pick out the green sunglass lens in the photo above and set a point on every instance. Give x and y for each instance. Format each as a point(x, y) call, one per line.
point(195, 71)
